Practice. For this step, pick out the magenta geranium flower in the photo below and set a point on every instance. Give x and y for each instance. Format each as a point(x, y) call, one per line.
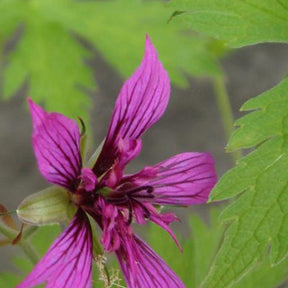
point(113, 199)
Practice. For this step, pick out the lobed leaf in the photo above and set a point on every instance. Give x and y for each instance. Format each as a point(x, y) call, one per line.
point(238, 22)
point(259, 215)
point(264, 276)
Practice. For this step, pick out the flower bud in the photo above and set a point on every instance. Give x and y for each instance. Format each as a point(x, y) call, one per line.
point(49, 206)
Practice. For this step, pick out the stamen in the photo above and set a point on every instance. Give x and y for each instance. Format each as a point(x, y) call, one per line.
point(128, 197)
point(149, 190)
point(149, 196)
point(130, 209)
point(123, 199)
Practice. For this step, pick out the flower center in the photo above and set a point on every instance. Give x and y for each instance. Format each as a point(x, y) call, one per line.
point(130, 197)
point(84, 194)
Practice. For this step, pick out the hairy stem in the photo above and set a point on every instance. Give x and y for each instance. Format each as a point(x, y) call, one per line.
point(225, 111)
point(100, 259)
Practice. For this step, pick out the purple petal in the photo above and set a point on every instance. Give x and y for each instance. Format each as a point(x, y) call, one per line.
point(141, 102)
point(56, 143)
point(148, 269)
point(68, 262)
point(184, 179)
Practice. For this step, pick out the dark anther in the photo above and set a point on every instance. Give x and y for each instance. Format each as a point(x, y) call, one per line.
point(149, 190)
point(130, 209)
point(129, 197)
point(83, 127)
point(120, 200)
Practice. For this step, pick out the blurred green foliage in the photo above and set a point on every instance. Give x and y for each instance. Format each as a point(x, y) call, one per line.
point(41, 240)
point(51, 57)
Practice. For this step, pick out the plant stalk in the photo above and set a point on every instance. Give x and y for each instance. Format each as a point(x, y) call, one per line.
point(225, 109)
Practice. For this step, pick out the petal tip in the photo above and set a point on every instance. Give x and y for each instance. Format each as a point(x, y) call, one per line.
point(148, 40)
point(149, 47)
point(37, 113)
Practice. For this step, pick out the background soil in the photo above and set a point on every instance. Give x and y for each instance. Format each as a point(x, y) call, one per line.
point(191, 122)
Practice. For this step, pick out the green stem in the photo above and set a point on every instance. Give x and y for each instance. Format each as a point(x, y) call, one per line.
point(28, 231)
point(225, 111)
point(28, 250)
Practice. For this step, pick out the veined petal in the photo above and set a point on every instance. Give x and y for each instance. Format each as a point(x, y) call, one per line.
point(56, 143)
point(184, 179)
point(141, 102)
point(149, 271)
point(68, 262)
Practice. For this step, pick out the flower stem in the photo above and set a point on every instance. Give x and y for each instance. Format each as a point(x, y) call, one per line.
point(225, 110)
point(25, 245)
point(29, 251)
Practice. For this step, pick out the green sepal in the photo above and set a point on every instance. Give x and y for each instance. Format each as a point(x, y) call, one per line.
point(91, 162)
point(83, 146)
point(83, 140)
point(49, 206)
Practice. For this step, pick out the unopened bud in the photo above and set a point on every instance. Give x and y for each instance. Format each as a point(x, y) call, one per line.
point(49, 206)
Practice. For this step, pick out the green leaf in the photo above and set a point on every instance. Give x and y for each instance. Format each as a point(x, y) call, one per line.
point(49, 56)
point(238, 22)
point(264, 276)
point(259, 215)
